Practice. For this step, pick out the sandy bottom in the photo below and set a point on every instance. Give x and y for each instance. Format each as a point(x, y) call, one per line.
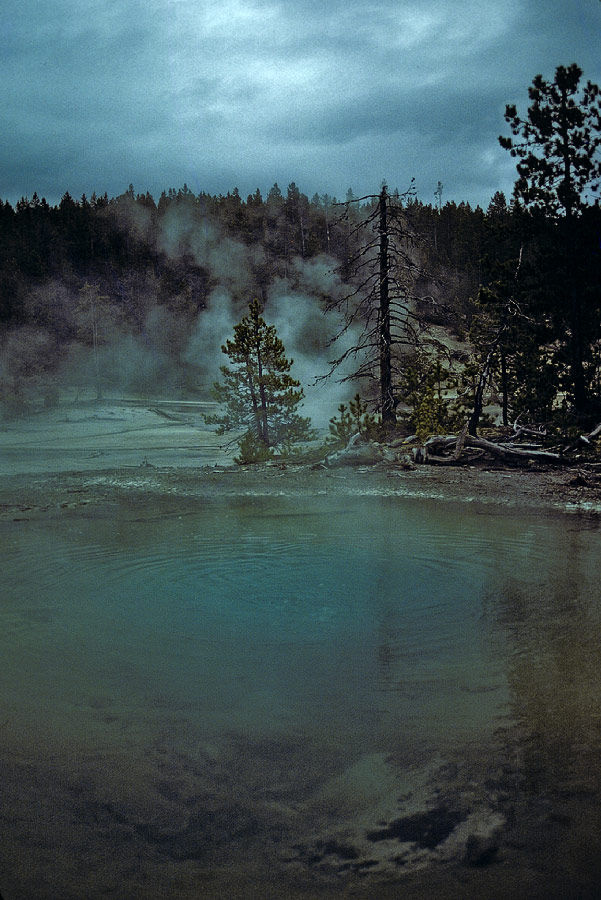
point(157, 827)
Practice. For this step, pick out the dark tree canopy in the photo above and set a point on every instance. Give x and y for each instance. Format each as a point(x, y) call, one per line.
point(559, 171)
point(512, 293)
point(557, 144)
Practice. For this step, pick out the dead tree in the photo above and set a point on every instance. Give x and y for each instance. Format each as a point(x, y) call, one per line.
point(387, 404)
point(510, 310)
point(437, 446)
point(378, 311)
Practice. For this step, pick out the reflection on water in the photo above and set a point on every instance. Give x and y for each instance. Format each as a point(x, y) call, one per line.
point(301, 698)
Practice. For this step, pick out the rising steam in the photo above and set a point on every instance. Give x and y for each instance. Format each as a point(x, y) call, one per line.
point(168, 352)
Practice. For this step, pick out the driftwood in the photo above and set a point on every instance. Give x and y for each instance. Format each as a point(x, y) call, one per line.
point(460, 442)
point(531, 431)
point(356, 453)
point(457, 449)
point(452, 449)
point(584, 439)
point(436, 446)
point(507, 451)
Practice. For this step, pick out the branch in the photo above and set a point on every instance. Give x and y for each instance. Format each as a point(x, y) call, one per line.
point(440, 443)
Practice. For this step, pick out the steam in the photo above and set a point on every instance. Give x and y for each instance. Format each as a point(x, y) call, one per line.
point(167, 350)
point(213, 327)
point(227, 260)
point(306, 333)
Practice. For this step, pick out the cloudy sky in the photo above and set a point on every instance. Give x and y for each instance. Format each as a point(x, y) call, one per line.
point(331, 94)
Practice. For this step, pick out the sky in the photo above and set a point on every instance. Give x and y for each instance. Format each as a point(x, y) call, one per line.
point(217, 94)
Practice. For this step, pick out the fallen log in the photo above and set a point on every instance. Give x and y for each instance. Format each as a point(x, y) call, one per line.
point(438, 443)
point(460, 442)
point(511, 450)
point(356, 453)
point(435, 447)
point(532, 431)
point(463, 460)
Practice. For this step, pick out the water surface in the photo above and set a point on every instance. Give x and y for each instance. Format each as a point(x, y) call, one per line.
point(300, 698)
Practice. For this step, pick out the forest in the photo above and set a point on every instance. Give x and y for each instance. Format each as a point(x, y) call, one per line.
point(431, 315)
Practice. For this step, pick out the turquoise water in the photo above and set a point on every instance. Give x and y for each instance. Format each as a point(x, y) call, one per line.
point(182, 685)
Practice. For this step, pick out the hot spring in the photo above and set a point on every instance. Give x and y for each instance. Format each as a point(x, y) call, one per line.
point(315, 697)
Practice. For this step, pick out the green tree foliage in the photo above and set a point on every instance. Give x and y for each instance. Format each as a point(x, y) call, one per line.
point(557, 146)
point(258, 393)
point(422, 388)
point(352, 419)
point(557, 143)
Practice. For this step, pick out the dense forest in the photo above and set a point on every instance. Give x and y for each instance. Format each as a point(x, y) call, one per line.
point(156, 286)
point(490, 308)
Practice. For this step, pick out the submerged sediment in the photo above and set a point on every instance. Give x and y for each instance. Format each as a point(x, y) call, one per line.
point(140, 797)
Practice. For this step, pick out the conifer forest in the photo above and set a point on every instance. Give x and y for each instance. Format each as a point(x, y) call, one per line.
point(434, 313)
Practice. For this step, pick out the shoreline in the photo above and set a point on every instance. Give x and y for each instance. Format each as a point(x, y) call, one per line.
point(544, 490)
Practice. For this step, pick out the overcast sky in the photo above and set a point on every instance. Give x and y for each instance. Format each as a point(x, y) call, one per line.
point(331, 94)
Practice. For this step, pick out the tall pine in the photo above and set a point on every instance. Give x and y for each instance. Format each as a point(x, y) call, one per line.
point(557, 145)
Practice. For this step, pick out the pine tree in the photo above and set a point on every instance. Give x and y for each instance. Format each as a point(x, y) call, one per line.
point(558, 146)
point(258, 393)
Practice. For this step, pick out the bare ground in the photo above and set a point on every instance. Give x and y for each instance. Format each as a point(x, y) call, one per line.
point(89, 453)
point(545, 490)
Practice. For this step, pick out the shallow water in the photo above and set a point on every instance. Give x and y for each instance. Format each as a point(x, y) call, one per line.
point(307, 697)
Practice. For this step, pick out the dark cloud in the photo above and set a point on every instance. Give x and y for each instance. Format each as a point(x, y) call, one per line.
point(242, 93)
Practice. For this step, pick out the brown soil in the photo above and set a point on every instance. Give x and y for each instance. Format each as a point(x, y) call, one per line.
point(529, 489)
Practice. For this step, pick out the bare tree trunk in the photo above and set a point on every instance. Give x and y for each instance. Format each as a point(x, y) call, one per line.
point(302, 231)
point(263, 398)
point(485, 373)
point(95, 350)
point(386, 397)
point(482, 381)
point(504, 389)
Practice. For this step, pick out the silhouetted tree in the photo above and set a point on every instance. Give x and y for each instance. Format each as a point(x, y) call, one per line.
point(380, 306)
point(557, 147)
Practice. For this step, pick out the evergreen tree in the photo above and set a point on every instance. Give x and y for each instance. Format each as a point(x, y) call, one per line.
point(559, 170)
point(557, 144)
point(257, 391)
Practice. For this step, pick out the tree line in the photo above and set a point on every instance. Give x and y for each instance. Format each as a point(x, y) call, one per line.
point(79, 272)
point(448, 306)
point(101, 238)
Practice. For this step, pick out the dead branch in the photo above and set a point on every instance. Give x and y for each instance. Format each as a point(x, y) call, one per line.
point(437, 446)
point(507, 451)
point(584, 439)
point(460, 442)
